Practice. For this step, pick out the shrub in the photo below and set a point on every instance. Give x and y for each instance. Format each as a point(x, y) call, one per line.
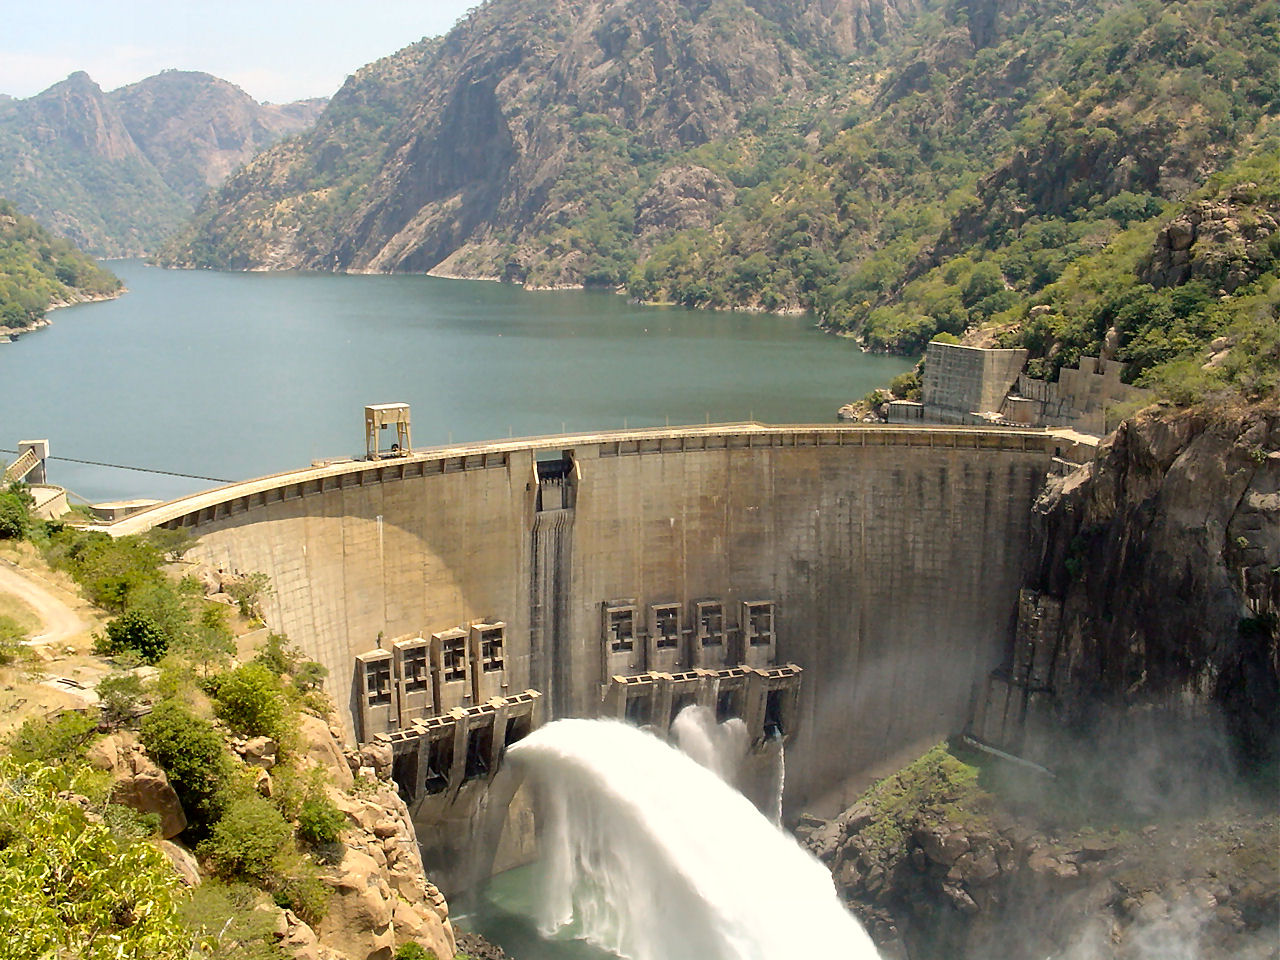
point(190, 751)
point(63, 739)
point(252, 703)
point(246, 841)
point(222, 918)
point(296, 887)
point(319, 821)
point(248, 592)
point(15, 518)
point(414, 951)
point(133, 631)
point(118, 695)
point(276, 654)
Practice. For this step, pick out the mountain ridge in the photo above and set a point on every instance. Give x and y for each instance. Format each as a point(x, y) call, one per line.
point(117, 172)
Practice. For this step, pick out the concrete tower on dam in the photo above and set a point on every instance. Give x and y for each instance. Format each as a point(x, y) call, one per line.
point(628, 573)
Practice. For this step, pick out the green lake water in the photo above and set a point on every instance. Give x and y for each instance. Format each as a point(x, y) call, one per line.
point(236, 375)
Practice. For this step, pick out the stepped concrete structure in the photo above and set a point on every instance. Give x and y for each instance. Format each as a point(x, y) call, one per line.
point(841, 588)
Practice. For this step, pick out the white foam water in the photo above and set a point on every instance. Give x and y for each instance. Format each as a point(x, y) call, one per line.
point(652, 856)
point(720, 747)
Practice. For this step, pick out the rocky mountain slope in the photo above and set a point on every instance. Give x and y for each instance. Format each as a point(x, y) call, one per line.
point(1161, 559)
point(528, 122)
point(117, 172)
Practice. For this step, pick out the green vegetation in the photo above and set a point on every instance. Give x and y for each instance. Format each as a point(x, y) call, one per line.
point(15, 512)
point(1166, 318)
point(191, 752)
point(226, 925)
point(934, 787)
point(251, 701)
point(38, 270)
point(247, 840)
point(62, 740)
point(261, 847)
point(71, 885)
point(319, 821)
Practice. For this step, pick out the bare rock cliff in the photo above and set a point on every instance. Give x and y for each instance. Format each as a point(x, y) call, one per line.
point(1163, 558)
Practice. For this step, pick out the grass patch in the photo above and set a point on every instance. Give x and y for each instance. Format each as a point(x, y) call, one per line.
point(25, 619)
point(937, 786)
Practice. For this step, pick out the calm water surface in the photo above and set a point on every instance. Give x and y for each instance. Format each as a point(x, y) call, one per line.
point(235, 375)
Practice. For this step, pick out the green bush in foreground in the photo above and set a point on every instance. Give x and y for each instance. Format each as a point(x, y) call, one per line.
point(63, 739)
point(251, 701)
point(191, 752)
point(70, 888)
point(246, 841)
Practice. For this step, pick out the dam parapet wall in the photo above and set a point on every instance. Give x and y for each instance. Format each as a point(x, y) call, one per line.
point(884, 561)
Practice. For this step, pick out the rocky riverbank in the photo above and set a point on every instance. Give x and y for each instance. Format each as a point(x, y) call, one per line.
point(938, 866)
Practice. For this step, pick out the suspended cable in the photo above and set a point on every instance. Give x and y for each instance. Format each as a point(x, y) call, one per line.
point(122, 466)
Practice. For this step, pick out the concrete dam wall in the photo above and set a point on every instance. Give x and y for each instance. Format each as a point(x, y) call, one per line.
point(885, 562)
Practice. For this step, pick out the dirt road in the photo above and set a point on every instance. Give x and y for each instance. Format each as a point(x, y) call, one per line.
point(61, 623)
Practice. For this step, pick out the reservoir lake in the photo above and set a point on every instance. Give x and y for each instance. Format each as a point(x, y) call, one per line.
point(235, 375)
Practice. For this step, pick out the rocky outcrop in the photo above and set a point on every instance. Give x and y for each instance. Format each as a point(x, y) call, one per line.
point(380, 897)
point(1162, 557)
point(1226, 242)
point(969, 886)
point(682, 198)
point(139, 783)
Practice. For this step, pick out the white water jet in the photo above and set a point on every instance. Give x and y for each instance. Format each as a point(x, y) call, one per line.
point(780, 782)
point(720, 747)
point(650, 855)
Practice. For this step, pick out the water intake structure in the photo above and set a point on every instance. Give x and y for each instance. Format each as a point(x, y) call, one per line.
point(651, 855)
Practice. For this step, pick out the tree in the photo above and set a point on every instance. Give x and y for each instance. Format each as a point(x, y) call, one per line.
point(70, 887)
point(133, 631)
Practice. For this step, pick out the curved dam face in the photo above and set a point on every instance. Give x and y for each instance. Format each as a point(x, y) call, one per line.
point(885, 562)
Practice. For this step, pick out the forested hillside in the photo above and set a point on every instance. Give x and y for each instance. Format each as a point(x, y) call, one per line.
point(38, 271)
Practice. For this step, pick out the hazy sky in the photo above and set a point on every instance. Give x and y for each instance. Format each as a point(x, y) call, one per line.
point(277, 50)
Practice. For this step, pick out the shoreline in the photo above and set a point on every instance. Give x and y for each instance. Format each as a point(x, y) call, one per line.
point(10, 334)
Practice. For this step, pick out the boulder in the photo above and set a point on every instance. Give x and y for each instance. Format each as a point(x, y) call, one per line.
point(942, 846)
point(144, 787)
point(260, 752)
point(377, 755)
point(184, 862)
point(358, 921)
point(320, 747)
point(412, 924)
